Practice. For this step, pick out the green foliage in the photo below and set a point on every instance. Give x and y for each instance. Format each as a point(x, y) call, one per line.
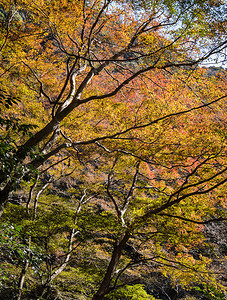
point(43, 234)
point(130, 292)
point(14, 252)
point(211, 292)
point(47, 224)
point(10, 245)
point(89, 220)
point(79, 281)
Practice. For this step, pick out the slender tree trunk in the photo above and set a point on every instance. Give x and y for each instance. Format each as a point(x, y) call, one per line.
point(52, 276)
point(21, 280)
point(2, 207)
point(23, 272)
point(116, 254)
point(3, 201)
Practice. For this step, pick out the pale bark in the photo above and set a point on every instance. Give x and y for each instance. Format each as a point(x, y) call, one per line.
point(21, 280)
point(37, 198)
point(31, 193)
point(23, 272)
point(67, 258)
point(73, 233)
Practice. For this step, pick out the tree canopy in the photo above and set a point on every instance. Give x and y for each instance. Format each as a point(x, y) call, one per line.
point(113, 137)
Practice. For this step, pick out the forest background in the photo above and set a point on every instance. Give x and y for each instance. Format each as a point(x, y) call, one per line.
point(113, 149)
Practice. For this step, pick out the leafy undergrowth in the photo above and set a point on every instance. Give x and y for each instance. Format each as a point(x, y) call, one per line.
point(49, 234)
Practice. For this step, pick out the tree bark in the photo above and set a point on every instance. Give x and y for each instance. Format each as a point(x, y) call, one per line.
point(4, 194)
point(21, 280)
point(23, 272)
point(116, 254)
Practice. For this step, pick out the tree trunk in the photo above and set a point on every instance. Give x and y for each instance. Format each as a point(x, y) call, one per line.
point(2, 207)
point(24, 271)
point(21, 280)
point(116, 254)
point(4, 194)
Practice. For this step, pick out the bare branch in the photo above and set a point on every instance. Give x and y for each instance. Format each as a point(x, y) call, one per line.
point(168, 204)
point(130, 193)
point(108, 190)
point(42, 92)
point(194, 221)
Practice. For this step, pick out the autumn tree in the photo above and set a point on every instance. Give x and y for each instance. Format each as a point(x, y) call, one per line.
point(80, 35)
point(118, 92)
